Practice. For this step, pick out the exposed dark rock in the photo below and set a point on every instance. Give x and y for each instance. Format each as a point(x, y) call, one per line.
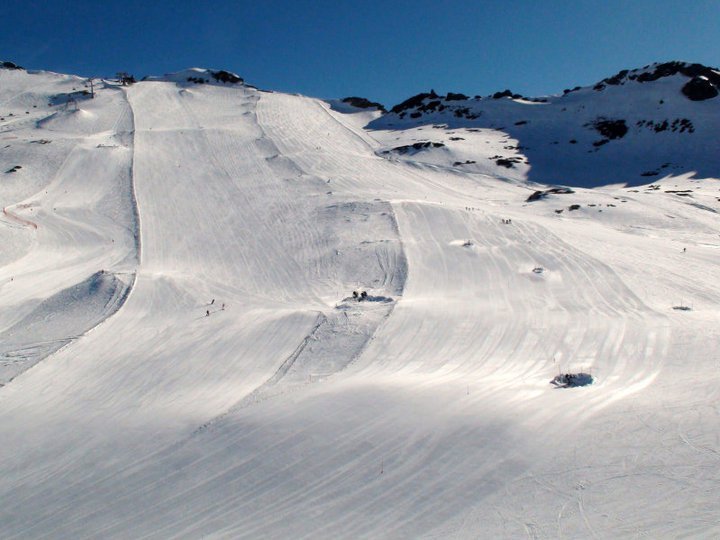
point(10, 65)
point(416, 146)
point(573, 207)
point(614, 80)
point(668, 69)
point(699, 89)
point(539, 195)
point(362, 103)
point(506, 93)
point(225, 77)
point(431, 106)
point(413, 102)
point(610, 129)
point(680, 125)
point(662, 126)
point(507, 162)
point(704, 81)
point(464, 112)
point(125, 78)
point(455, 97)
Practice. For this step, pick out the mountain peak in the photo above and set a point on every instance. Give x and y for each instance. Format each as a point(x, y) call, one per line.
point(199, 76)
point(9, 65)
point(703, 84)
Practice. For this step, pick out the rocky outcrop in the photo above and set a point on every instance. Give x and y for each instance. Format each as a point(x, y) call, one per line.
point(610, 129)
point(226, 77)
point(699, 89)
point(10, 65)
point(415, 146)
point(703, 84)
point(451, 96)
point(414, 102)
point(363, 103)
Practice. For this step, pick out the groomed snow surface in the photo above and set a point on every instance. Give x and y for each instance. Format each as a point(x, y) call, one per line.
point(182, 356)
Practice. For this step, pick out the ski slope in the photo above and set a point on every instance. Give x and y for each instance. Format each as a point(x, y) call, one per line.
point(182, 357)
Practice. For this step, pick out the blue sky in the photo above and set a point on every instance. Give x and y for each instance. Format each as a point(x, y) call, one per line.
point(385, 51)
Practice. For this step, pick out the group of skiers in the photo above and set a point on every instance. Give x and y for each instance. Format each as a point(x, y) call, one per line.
point(360, 296)
point(212, 303)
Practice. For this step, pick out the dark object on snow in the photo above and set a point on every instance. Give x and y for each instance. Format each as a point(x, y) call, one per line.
point(362, 103)
point(666, 69)
point(415, 146)
point(225, 77)
point(610, 129)
point(538, 270)
point(703, 84)
point(363, 295)
point(413, 102)
point(571, 380)
point(451, 96)
point(539, 195)
point(508, 163)
point(672, 68)
point(125, 78)
point(10, 65)
point(573, 207)
point(14, 169)
point(506, 93)
point(355, 294)
point(699, 89)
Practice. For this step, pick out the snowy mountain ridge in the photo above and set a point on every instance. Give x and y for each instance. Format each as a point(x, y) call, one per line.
point(636, 125)
point(234, 313)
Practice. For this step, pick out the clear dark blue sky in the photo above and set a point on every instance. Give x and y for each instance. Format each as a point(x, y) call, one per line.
point(383, 50)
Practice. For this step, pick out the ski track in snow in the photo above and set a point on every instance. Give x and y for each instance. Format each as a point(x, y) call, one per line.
point(300, 412)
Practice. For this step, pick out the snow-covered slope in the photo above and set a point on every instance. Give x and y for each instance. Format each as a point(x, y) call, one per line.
point(183, 356)
point(633, 128)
